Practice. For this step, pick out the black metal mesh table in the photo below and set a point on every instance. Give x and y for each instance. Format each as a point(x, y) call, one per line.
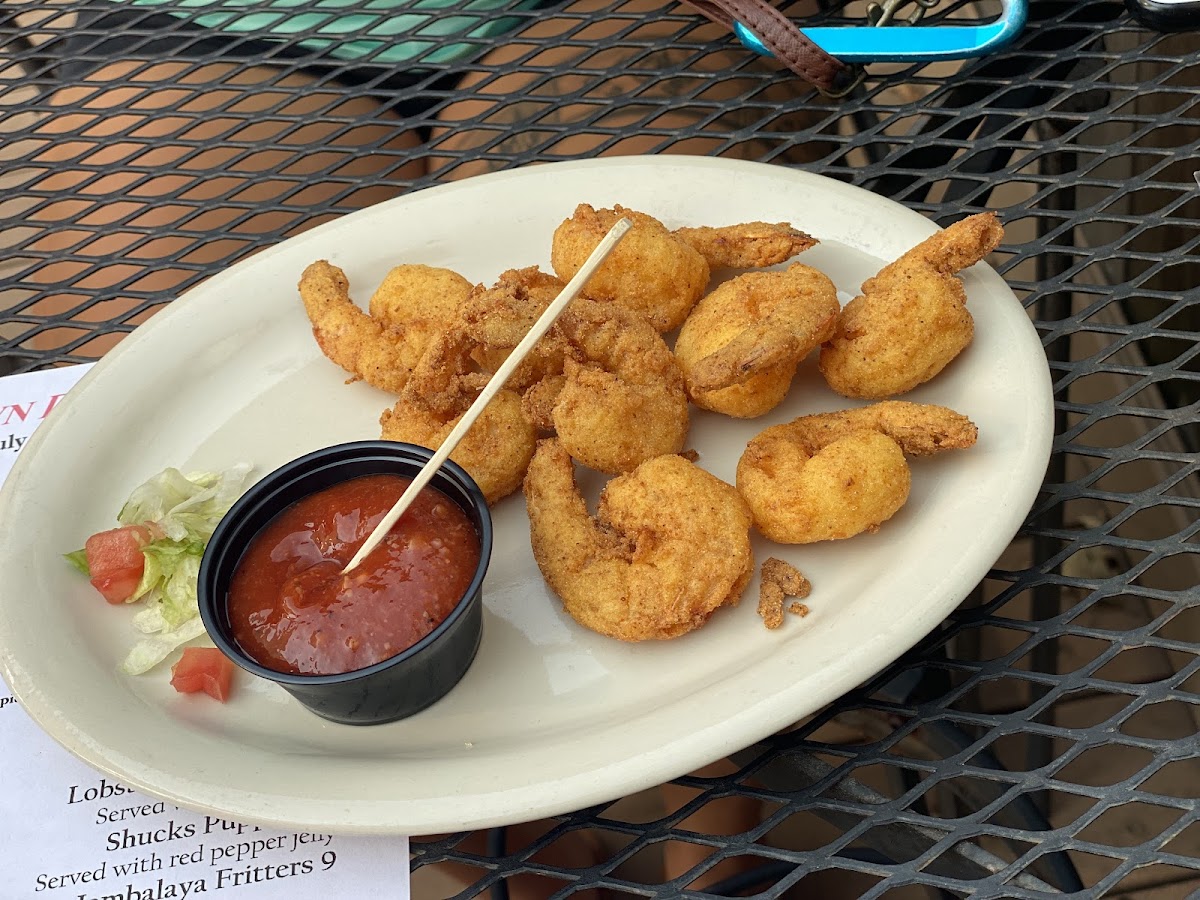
point(132, 170)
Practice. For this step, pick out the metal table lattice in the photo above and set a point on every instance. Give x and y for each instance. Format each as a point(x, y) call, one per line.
point(130, 174)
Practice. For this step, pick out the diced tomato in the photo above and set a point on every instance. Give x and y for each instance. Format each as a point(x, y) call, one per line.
point(203, 669)
point(116, 562)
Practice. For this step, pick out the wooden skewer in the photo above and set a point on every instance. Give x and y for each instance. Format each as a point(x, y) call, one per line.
point(569, 293)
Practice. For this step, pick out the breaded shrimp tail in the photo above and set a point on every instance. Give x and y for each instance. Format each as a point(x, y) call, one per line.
point(920, 429)
point(749, 245)
point(954, 248)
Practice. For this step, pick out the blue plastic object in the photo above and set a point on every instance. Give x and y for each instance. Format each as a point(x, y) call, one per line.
point(924, 43)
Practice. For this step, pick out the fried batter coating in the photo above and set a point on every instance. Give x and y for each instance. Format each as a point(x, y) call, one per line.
point(621, 399)
point(779, 580)
point(835, 475)
point(670, 545)
point(911, 319)
point(651, 272)
point(497, 448)
point(498, 318)
point(421, 301)
point(740, 347)
point(749, 245)
point(361, 345)
point(540, 399)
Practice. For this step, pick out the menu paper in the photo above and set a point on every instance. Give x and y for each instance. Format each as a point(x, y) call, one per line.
point(72, 833)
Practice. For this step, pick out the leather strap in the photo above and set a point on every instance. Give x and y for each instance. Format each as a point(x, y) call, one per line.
point(782, 38)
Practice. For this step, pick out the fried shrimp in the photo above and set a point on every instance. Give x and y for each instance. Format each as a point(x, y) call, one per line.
point(620, 400)
point(740, 347)
point(832, 476)
point(498, 318)
point(361, 345)
point(497, 448)
point(670, 545)
point(911, 319)
point(422, 301)
point(749, 245)
point(651, 272)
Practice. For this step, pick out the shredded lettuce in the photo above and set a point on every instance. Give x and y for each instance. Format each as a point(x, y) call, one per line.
point(185, 507)
point(185, 510)
point(150, 651)
point(78, 558)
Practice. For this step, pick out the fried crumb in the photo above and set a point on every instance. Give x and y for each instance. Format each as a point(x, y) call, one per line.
point(690, 455)
point(770, 606)
point(779, 580)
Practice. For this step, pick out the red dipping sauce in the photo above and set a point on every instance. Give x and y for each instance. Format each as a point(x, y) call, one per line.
point(292, 610)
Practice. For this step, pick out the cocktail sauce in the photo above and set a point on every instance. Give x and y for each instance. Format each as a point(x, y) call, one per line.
point(292, 610)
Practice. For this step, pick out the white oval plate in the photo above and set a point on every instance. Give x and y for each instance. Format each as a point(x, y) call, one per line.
point(550, 717)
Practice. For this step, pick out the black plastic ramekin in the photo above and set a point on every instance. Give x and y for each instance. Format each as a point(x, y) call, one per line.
point(396, 687)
